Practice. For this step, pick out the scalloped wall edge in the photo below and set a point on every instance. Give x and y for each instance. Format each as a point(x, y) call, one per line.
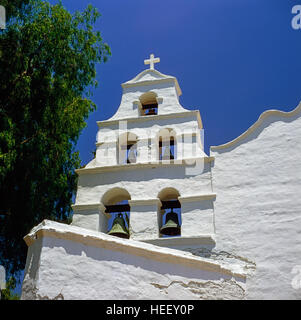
point(260, 120)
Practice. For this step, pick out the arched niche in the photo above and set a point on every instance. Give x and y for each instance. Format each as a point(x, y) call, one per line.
point(115, 204)
point(127, 148)
point(115, 195)
point(167, 144)
point(148, 104)
point(169, 214)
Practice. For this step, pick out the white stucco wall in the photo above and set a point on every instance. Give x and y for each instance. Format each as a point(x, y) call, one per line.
point(186, 127)
point(142, 182)
point(66, 262)
point(127, 119)
point(165, 87)
point(257, 179)
point(144, 185)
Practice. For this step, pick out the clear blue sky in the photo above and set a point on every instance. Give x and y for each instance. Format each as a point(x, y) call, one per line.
point(233, 59)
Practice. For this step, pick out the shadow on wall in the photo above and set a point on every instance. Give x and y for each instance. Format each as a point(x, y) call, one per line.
point(119, 259)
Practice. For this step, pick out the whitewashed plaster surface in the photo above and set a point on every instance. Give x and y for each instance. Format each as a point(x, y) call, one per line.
point(257, 179)
point(144, 184)
point(170, 115)
point(66, 262)
point(187, 132)
point(165, 87)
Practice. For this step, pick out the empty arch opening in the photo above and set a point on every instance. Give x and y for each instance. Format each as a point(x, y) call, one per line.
point(127, 148)
point(167, 144)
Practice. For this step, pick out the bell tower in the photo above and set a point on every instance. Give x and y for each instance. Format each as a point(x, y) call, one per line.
point(144, 210)
point(150, 179)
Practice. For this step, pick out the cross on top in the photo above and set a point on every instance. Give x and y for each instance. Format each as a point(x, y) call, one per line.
point(151, 61)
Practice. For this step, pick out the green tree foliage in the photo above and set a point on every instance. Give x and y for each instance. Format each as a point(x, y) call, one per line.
point(7, 293)
point(47, 66)
point(13, 6)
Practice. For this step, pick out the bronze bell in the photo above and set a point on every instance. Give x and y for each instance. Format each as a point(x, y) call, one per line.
point(119, 228)
point(171, 227)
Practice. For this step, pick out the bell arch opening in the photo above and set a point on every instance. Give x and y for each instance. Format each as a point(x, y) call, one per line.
point(117, 212)
point(148, 104)
point(167, 144)
point(127, 148)
point(169, 216)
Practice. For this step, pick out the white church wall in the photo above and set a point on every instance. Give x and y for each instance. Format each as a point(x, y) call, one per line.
point(186, 127)
point(165, 91)
point(106, 154)
point(257, 179)
point(89, 218)
point(67, 262)
point(197, 217)
point(149, 126)
point(144, 220)
point(144, 184)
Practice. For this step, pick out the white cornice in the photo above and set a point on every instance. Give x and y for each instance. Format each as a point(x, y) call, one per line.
point(145, 139)
point(258, 123)
point(135, 166)
point(200, 197)
point(80, 207)
point(145, 202)
point(206, 239)
point(155, 117)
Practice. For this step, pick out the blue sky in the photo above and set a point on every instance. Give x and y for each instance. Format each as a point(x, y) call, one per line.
point(233, 59)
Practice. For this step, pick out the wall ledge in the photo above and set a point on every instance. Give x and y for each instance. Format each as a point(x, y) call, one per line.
point(199, 197)
point(163, 116)
point(205, 239)
point(57, 230)
point(135, 166)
